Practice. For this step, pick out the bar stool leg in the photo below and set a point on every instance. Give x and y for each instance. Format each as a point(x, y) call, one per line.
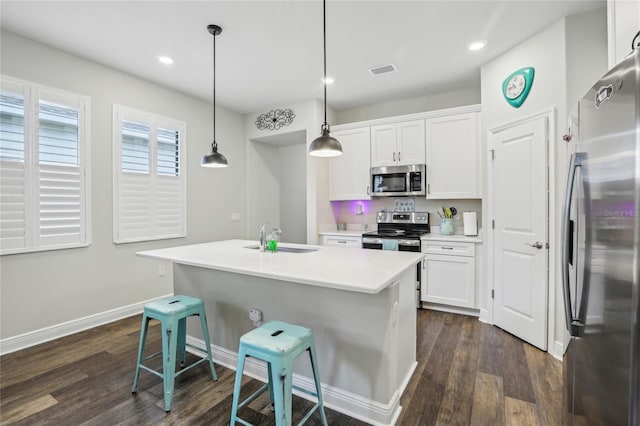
point(169, 343)
point(287, 378)
point(316, 378)
point(207, 343)
point(182, 341)
point(278, 374)
point(143, 339)
point(236, 387)
point(270, 382)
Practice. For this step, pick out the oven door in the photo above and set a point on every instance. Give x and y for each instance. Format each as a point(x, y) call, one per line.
point(403, 245)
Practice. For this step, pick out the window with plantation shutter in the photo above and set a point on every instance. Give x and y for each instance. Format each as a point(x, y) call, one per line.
point(44, 151)
point(149, 181)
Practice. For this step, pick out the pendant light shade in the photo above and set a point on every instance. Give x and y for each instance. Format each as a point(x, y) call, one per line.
point(214, 159)
point(325, 145)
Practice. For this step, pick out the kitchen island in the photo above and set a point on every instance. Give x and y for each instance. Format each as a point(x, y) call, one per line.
point(359, 303)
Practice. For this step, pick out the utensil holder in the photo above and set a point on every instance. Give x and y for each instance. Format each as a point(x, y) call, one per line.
point(446, 226)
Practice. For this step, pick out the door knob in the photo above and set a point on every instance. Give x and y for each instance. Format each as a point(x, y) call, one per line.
point(537, 245)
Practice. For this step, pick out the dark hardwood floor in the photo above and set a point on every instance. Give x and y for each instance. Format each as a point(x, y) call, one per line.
point(468, 373)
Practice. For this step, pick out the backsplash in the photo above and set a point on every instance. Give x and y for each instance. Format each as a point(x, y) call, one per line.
point(347, 211)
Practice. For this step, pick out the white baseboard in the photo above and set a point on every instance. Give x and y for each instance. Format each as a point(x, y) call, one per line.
point(366, 410)
point(32, 338)
point(557, 351)
point(451, 309)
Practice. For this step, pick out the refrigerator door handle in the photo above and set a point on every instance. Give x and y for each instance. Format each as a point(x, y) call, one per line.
point(576, 161)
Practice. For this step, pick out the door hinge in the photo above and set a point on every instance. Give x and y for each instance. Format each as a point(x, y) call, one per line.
point(493, 224)
point(493, 293)
point(493, 154)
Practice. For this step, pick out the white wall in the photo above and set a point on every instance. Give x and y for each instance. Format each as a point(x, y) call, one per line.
point(276, 186)
point(293, 193)
point(308, 119)
point(623, 24)
point(558, 56)
point(454, 98)
point(43, 289)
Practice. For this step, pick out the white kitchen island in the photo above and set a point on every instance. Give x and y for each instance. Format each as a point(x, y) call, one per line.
point(359, 303)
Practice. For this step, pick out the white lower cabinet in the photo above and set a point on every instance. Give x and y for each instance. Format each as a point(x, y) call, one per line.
point(341, 241)
point(448, 273)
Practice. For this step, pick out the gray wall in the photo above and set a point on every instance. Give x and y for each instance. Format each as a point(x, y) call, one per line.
point(464, 96)
point(43, 289)
point(293, 193)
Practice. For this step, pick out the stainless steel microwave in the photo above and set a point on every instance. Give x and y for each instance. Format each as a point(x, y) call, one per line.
point(398, 181)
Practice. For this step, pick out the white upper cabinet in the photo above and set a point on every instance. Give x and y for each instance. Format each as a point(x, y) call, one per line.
point(453, 156)
point(398, 144)
point(350, 172)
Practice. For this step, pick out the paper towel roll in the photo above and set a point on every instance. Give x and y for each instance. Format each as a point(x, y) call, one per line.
point(470, 223)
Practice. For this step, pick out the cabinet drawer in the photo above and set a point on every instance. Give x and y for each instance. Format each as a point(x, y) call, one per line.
point(449, 248)
point(354, 242)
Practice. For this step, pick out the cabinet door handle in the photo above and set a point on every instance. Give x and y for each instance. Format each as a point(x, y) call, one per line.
point(428, 188)
point(368, 190)
point(446, 248)
point(423, 264)
point(394, 156)
point(342, 242)
point(398, 155)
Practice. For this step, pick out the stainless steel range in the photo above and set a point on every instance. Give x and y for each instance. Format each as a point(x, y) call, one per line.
point(399, 231)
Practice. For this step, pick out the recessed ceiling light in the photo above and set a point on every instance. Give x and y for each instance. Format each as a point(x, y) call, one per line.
point(328, 80)
point(477, 45)
point(165, 60)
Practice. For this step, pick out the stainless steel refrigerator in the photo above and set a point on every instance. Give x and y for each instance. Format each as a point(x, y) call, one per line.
point(601, 233)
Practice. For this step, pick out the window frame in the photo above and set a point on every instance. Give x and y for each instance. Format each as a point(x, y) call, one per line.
point(33, 93)
point(154, 122)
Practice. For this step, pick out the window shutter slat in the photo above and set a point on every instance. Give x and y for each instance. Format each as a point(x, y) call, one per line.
point(12, 206)
point(134, 214)
point(169, 211)
point(60, 204)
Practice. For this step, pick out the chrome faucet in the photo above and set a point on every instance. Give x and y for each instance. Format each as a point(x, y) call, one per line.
point(263, 237)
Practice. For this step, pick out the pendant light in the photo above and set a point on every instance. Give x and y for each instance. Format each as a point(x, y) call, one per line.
point(214, 159)
point(325, 145)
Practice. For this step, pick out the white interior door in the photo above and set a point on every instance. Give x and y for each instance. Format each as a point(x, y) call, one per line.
point(520, 210)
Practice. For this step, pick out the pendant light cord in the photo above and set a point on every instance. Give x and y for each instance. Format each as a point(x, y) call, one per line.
point(324, 33)
point(214, 89)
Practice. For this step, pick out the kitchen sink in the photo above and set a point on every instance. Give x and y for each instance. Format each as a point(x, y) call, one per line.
point(287, 249)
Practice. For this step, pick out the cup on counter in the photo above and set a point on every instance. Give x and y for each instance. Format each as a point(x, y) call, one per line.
point(272, 245)
point(446, 226)
point(342, 226)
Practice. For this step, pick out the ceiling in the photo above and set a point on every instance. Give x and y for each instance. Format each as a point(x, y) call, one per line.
point(270, 52)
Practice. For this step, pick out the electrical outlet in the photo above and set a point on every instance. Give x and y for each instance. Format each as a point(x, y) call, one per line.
point(161, 271)
point(255, 315)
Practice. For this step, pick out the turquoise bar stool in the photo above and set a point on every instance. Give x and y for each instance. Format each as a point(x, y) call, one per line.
point(278, 344)
point(172, 312)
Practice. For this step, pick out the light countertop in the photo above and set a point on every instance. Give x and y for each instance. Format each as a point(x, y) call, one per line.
point(346, 233)
point(460, 238)
point(343, 268)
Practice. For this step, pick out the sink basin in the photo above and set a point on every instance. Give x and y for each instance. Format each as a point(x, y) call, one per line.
point(287, 249)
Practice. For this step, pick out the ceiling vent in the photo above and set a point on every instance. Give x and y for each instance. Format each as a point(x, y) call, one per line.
point(383, 69)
